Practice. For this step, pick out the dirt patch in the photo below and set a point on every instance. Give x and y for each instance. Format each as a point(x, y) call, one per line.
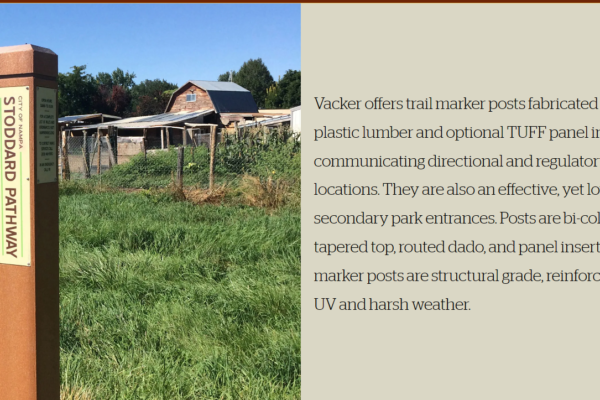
point(129, 190)
point(74, 393)
point(206, 196)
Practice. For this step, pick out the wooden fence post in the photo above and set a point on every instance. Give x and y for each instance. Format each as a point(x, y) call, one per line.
point(184, 132)
point(144, 143)
point(107, 136)
point(116, 144)
point(66, 171)
point(86, 156)
point(180, 155)
point(111, 155)
point(99, 164)
point(213, 145)
point(194, 141)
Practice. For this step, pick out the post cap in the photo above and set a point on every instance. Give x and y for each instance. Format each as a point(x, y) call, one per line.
point(28, 59)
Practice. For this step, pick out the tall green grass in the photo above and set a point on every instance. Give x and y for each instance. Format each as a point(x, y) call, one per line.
point(167, 300)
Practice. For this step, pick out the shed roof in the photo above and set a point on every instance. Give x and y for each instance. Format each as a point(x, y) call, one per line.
point(152, 120)
point(267, 122)
point(77, 118)
point(227, 97)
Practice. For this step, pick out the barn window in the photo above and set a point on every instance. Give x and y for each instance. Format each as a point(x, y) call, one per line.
point(190, 97)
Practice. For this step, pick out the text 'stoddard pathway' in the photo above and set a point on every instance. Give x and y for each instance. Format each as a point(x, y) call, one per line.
point(29, 308)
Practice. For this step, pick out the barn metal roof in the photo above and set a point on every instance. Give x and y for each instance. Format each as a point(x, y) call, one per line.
point(227, 97)
point(152, 120)
point(219, 86)
point(231, 102)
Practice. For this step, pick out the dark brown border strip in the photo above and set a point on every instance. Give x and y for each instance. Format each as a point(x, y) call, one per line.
point(29, 75)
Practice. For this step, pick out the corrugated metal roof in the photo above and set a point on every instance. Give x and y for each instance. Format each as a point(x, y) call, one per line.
point(267, 122)
point(231, 102)
point(73, 118)
point(151, 120)
point(219, 86)
point(276, 121)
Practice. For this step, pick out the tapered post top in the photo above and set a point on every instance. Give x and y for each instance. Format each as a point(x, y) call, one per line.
point(28, 60)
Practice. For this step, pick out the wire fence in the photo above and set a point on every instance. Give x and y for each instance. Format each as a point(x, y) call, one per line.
point(206, 160)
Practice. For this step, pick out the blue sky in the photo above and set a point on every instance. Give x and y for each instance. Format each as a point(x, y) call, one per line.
point(175, 42)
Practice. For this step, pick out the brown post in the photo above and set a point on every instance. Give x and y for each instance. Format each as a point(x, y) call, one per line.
point(184, 132)
point(144, 143)
point(86, 156)
point(99, 164)
point(237, 131)
point(111, 155)
point(29, 308)
point(108, 146)
point(213, 145)
point(168, 139)
point(180, 153)
point(116, 143)
point(66, 171)
point(194, 141)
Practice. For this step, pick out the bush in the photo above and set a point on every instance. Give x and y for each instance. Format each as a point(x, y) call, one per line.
point(279, 161)
point(266, 193)
point(158, 168)
point(259, 153)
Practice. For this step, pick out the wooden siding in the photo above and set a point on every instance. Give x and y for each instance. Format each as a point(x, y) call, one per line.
point(202, 102)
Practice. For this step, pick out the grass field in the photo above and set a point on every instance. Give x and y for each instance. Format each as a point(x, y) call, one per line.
point(170, 300)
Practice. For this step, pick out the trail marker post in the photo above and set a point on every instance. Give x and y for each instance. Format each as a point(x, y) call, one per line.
point(29, 298)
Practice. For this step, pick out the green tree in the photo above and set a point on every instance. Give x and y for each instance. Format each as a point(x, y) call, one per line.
point(151, 96)
point(114, 92)
point(286, 92)
point(272, 100)
point(255, 76)
point(290, 89)
point(102, 99)
point(104, 79)
point(123, 79)
point(76, 92)
point(225, 77)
